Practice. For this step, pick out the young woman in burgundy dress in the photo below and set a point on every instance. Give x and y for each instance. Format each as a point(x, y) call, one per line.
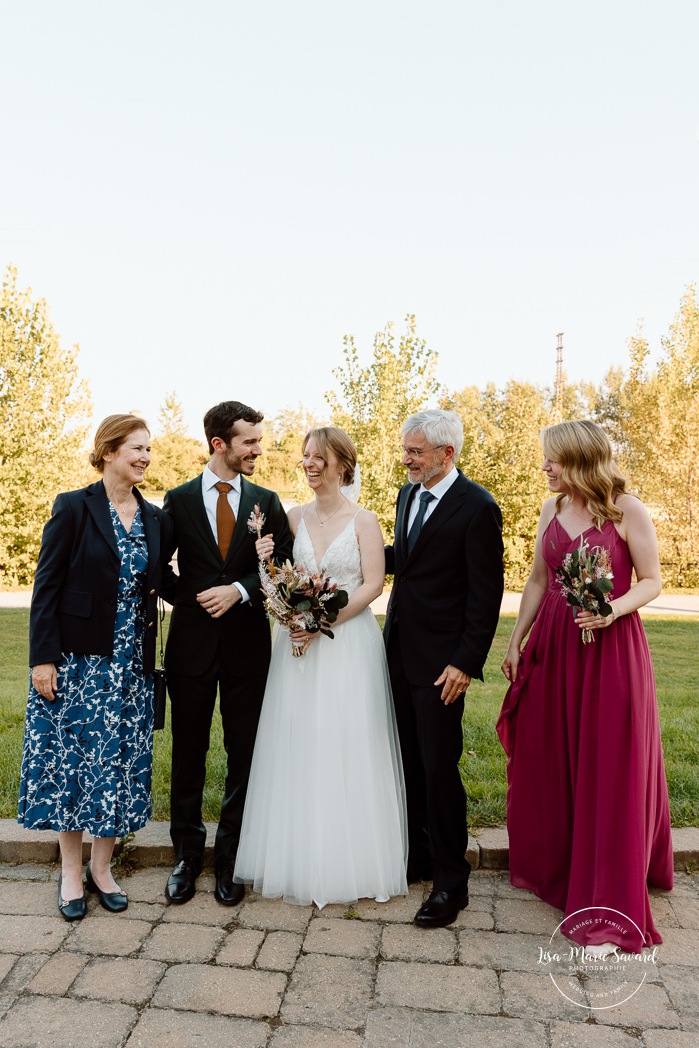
point(588, 811)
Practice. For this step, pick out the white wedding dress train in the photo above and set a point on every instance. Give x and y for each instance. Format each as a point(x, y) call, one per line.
point(324, 817)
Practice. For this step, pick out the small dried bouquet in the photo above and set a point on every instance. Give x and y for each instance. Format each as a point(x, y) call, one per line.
point(295, 598)
point(585, 578)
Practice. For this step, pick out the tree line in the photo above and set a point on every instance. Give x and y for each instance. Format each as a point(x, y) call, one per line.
point(650, 411)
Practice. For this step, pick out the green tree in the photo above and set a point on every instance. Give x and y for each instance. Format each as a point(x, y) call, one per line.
point(605, 408)
point(660, 415)
point(279, 467)
point(372, 404)
point(176, 457)
point(652, 417)
point(502, 452)
point(45, 411)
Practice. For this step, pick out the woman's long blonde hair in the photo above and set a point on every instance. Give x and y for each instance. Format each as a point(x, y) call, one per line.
point(583, 449)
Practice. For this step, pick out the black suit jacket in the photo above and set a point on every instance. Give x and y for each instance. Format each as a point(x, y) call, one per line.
point(242, 635)
point(447, 593)
point(77, 577)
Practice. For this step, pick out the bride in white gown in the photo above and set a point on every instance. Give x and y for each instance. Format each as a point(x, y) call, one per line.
point(325, 815)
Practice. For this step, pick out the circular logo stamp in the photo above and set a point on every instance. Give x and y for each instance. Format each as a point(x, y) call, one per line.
point(599, 976)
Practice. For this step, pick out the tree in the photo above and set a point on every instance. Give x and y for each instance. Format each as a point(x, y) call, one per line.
point(605, 409)
point(502, 452)
point(372, 405)
point(45, 411)
point(176, 457)
point(660, 415)
point(279, 467)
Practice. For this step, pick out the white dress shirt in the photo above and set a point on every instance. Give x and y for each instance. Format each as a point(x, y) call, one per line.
point(210, 496)
point(438, 491)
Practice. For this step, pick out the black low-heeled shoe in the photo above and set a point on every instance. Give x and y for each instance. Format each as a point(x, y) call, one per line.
point(73, 909)
point(115, 902)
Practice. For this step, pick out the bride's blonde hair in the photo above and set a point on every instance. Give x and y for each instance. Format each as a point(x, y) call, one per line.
point(584, 451)
point(343, 446)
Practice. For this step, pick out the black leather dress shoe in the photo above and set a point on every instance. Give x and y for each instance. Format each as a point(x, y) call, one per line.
point(227, 891)
point(73, 909)
point(441, 908)
point(115, 902)
point(182, 882)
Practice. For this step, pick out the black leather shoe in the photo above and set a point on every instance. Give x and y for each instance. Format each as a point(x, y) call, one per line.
point(227, 891)
point(182, 882)
point(73, 909)
point(441, 908)
point(115, 902)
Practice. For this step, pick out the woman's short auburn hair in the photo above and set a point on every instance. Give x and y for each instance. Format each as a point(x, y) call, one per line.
point(343, 446)
point(111, 434)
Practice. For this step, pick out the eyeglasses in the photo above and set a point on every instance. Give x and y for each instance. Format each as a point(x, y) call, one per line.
point(419, 452)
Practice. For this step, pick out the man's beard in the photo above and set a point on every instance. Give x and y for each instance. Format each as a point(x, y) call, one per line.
point(426, 473)
point(239, 463)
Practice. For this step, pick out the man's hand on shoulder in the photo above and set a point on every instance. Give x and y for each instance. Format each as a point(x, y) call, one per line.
point(455, 682)
point(219, 599)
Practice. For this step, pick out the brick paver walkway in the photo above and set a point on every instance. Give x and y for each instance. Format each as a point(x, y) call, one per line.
point(268, 975)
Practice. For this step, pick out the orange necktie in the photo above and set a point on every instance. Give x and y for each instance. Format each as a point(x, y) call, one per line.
point(225, 518)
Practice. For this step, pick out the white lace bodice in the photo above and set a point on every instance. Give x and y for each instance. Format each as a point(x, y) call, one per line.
point(341, 560)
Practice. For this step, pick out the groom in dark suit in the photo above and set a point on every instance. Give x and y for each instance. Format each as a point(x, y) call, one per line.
point(219, 639)
point(440, 623)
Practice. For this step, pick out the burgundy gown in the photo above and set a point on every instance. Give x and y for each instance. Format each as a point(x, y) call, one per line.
point(588, 813)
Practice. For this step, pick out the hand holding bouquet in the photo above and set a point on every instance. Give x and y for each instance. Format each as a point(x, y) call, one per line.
point(585, 578)
point(299, 600)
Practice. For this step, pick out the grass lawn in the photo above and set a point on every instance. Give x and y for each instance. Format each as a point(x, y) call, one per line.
point(673, 643)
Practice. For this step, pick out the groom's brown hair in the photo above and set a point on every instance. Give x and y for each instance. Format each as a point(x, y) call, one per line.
point(220, 420)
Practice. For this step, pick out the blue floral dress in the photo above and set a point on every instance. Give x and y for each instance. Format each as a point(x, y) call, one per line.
point(88, 755)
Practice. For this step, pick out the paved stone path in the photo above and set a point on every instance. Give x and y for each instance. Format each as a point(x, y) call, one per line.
point(268, 975)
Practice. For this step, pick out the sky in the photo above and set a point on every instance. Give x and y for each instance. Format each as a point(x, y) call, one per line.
point(211, 195)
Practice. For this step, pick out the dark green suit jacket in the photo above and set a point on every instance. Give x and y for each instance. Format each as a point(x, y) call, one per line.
point(241, 637)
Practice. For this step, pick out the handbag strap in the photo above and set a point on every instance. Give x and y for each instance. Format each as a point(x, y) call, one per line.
point(161, 623)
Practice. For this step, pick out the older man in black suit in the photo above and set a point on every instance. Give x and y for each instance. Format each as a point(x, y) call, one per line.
point(440, 623)
point(219, 639)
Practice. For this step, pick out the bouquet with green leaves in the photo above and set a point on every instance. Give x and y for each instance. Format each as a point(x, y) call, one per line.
point(300, 600)
point(585, 578)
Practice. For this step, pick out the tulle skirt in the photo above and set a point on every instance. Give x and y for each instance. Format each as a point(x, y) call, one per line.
point(325, 815)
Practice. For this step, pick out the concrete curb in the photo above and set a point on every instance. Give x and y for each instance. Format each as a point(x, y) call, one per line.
point(487, 849)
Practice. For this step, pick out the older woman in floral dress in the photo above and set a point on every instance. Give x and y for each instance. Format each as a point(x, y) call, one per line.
point(87, 758)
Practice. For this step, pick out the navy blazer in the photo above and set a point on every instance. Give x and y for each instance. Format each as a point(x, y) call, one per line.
point(447, 591)
point(77, 577)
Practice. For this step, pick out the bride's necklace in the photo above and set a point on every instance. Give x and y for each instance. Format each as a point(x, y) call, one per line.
point(324, 522)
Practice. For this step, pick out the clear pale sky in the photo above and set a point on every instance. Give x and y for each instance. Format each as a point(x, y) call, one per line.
point(211, 194)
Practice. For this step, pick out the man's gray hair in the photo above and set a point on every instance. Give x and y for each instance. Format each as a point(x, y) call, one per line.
point(437, 427)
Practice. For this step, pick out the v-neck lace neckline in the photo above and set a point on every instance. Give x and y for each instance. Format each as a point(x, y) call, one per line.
point(319, 563)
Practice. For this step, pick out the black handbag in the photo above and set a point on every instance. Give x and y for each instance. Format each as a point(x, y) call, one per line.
point(159, 680)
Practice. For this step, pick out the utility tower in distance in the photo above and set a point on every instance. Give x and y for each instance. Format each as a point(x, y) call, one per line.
point(559, 378)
